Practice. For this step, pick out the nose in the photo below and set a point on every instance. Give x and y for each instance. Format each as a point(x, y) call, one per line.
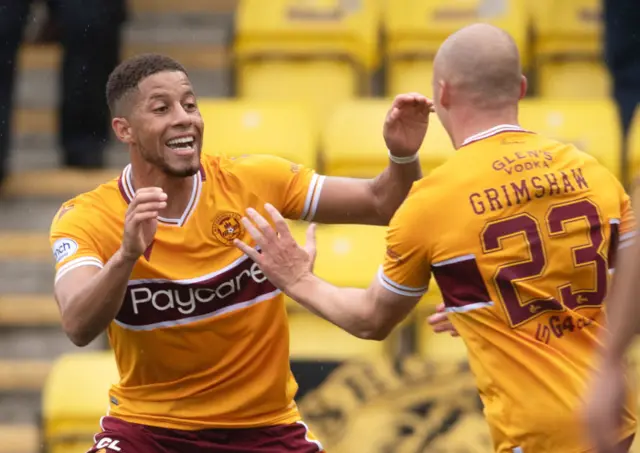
point(181, 117)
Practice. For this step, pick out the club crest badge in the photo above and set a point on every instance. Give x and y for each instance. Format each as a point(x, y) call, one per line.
point(227, 227)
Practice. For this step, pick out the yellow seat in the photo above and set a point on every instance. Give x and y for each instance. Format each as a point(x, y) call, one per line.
point(320, 84)
point(415, 30)
point(317, 52)
point(74, 399)
point(235, 127)
point(592, 125)
point(568, 48)
point(352, 143)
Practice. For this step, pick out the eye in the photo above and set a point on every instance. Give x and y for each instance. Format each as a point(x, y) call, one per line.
point(190, 106)
point(160, 109)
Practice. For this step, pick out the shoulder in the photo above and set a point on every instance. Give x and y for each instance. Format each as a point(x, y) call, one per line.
point(260, 173)
point(250, 163)
point(90, 208)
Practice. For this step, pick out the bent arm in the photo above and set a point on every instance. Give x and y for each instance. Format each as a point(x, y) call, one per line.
point(89, 297)
point(369, 314)
point(366, 201)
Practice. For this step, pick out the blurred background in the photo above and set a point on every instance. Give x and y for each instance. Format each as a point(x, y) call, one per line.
point(309, 80)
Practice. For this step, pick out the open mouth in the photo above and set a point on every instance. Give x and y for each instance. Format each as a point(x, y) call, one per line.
point(182, 144)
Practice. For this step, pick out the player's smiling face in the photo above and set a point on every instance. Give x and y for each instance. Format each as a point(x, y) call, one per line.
point(166, 125)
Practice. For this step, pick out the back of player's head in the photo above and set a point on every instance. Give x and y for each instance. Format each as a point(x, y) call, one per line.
point(480, 65)
point(126, 77)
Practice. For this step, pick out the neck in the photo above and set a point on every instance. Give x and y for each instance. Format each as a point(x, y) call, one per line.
point(470, 123)
point(178, 189)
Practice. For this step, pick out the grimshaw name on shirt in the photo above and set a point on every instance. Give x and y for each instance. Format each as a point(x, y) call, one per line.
point(523, 190)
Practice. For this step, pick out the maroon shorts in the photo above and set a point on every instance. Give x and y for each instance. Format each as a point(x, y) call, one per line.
point(118, 436)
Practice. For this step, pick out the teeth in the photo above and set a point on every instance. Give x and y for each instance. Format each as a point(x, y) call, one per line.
point(181, 140)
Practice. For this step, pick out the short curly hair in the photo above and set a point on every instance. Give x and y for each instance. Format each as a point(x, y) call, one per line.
point(128, 74)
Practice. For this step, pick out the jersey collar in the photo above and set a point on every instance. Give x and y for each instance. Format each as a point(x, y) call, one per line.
point(501, 128)
point(127, 191)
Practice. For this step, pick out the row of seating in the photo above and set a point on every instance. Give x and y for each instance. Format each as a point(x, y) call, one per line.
point(325, 51)
point(351, 142)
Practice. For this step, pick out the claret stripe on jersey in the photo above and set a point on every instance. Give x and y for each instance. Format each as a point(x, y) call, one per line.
point(461, 284)
point(155, 303)
point(126, 189)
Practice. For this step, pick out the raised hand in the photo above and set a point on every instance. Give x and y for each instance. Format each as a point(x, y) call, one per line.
point(440, 322)
point(281, 259)
point(406, 123)
point(141, 221)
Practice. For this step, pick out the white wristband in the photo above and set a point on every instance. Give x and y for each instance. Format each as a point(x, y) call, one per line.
point(403, 160)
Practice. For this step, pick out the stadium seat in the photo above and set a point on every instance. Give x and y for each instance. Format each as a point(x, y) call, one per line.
point(352, 143)
point(415, 30)
point(237, 127)
point(592, 125)
point(320, 53)
point(74, 399)
point(568, 49)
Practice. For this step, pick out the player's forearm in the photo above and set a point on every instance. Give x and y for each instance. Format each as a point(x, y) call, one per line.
point(624, 304)
point(391, 187)
point(90, 310)
point(347, 308)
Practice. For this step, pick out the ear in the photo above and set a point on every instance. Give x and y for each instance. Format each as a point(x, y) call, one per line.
point(122, 129)
point(445, 95)
point(523, 86)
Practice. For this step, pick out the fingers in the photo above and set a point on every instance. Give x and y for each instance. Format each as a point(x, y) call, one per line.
point(253, 232)
point(438, 317)
point(266, 231)
point(148, 195)
point(146, 204)
point(413, 99)
point(440, 322)
point(247, 250)
point(281, 224)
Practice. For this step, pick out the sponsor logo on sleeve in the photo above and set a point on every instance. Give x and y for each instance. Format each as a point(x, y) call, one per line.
point(64, 248)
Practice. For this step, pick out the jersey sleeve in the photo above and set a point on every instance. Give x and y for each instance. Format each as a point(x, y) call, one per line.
point(73, 240)
point(406, 270)
point(292, 188)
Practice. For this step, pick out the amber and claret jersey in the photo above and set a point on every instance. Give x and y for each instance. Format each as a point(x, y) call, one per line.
point(520, 233)
point(202, 338)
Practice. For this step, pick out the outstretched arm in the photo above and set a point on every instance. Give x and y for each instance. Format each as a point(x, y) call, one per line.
point(370, 313)
point(374, 201)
